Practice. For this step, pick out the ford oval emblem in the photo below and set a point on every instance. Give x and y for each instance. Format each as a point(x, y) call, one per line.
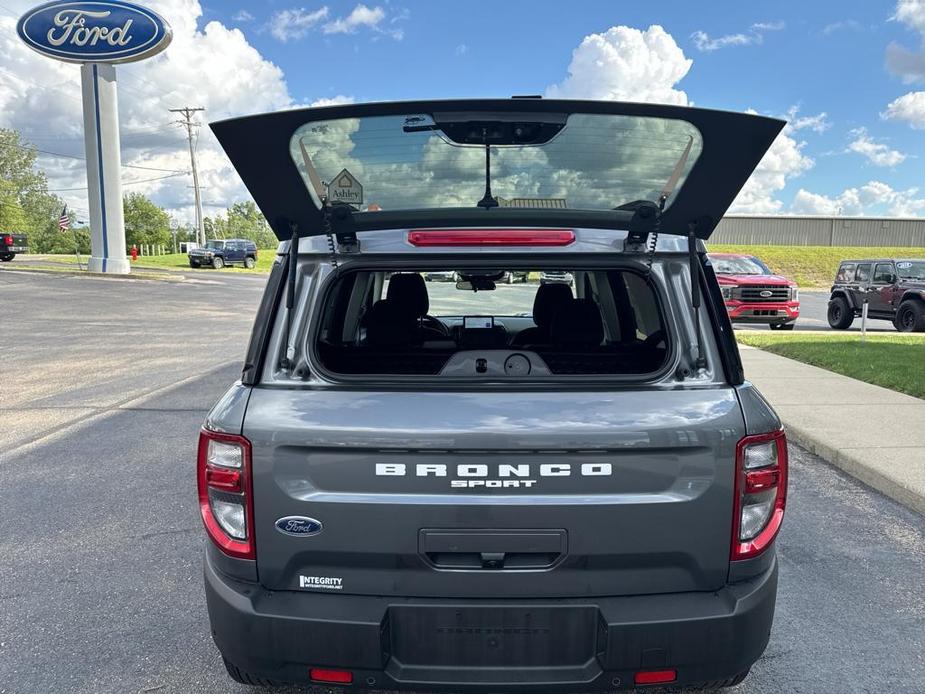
point(767, 294)
point(94, 32)
point(299, 525)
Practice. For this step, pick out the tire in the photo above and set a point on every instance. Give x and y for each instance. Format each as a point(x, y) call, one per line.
point(218, 263)
point(192, 264)
point(250, 263)
point(783, 326)
point(839, 314)
point(910, 318)
point(6, 257)
point(241, 677)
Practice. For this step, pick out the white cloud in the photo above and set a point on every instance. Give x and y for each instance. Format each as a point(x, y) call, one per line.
point(784, 160)
point(360, 16)
point(626, 64)
point(873, 198)
point(704, 43)
point(909, 108)
point(462, 49)
point(242, 16)
point(211, 66)
point(293, 24)
point(841, 25)
point(755, 34)
point(908, 64)
point(818, 123)
point(877, 153)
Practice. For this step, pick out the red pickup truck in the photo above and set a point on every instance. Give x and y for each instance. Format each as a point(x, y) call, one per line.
point(753, 294)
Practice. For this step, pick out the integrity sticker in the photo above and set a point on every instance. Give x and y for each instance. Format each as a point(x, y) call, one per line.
point(321, 582)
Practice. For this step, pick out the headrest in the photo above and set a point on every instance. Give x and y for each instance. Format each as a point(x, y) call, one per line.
point(409, 294)
point(549, 297)
point(578, 323)
point(388, 326)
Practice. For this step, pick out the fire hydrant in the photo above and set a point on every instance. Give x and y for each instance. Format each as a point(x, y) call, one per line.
point(134, 253)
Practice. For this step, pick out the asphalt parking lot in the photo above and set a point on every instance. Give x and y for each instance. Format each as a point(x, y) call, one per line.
point(103, 386)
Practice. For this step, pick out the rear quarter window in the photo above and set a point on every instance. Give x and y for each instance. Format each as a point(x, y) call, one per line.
point(845, 273)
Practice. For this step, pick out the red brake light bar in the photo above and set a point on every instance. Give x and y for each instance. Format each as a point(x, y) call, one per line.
point(328, 676)
point(491, 237)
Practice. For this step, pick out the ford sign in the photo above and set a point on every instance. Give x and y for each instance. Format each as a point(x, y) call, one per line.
point(298, 525)
point(94, 32)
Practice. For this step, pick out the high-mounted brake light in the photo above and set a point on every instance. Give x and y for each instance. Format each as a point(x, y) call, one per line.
point(491, 237)
point(760, 493)
point(225, 496)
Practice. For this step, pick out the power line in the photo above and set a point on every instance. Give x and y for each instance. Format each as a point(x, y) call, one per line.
point(74, 156)
point(187, 113)
point(124, 183)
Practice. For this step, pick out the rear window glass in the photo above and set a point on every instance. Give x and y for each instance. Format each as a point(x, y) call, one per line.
point(425, 161)
point(863, 273)
point(441, 322)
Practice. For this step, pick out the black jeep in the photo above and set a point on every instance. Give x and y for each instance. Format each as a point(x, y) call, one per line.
point(893, 288)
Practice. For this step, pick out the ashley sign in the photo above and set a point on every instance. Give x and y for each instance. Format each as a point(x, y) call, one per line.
point(111, 32)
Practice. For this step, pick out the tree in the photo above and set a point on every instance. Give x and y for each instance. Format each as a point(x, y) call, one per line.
point(241, 221)
point(12, 214)
point(24, 187)
point(145, 222)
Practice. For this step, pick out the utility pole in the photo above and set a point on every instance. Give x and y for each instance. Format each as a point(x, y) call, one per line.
point(188, 112)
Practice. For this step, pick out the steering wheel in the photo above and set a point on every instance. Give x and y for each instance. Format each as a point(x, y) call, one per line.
point(434, 324)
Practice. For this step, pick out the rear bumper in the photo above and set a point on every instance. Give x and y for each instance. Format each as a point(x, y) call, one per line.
point(763, 312)
point(478, 645)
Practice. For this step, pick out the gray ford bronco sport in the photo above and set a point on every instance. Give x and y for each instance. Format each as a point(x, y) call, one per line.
point(476, 486)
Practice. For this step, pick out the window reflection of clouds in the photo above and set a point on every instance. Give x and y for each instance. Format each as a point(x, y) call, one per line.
point(596, 162)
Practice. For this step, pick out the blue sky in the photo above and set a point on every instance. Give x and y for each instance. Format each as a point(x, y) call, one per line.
point(805, 59)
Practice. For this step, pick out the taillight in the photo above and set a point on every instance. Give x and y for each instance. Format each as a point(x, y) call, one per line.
point(491, 237)
point(760, 493)
point(225, 496)
point(8, 240)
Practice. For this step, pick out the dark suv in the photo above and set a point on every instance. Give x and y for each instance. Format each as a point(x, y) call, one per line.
point(893, 288)
point(221, 252)
point(469, 488)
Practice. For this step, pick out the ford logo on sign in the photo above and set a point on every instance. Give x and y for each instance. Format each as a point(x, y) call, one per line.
point(94, 32)
point(298, 525)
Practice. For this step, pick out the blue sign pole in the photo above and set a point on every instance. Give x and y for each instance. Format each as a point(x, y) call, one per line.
point(98, 34)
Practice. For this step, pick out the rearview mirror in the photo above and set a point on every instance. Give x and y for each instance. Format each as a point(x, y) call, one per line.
point(476, 284)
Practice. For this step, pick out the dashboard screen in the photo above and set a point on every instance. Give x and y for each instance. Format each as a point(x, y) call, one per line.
point(477, 322)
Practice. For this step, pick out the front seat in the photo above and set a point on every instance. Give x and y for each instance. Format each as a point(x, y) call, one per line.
point(407, 293)
point(577, 326)
point(548, 299)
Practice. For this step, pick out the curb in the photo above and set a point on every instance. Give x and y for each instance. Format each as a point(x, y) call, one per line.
point(143, 276)
point(858, 469)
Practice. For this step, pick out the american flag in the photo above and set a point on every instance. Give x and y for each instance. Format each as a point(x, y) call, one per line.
point(64, 222)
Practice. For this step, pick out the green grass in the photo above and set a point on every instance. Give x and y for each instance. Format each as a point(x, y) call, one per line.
point(180, 261)
point(813, 266)
point(890, 360)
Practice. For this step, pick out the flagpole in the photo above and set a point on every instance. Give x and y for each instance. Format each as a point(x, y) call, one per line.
point(76, 249)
